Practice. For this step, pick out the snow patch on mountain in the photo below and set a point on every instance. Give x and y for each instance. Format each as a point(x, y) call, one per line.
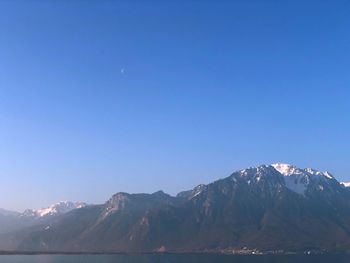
point(297, 185)
point(346, 184)
point(286, 169)
point(197, 190)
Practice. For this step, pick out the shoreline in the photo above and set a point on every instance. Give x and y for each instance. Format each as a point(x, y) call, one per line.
point(261, 253)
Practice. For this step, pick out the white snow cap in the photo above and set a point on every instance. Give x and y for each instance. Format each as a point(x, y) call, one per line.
point(346, 184)
point(58, 208)
point(284, 168)
point(288, 169)
point(297, 179)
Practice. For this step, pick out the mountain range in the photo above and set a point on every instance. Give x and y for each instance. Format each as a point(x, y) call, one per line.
point(11, 221)
point(275, 207)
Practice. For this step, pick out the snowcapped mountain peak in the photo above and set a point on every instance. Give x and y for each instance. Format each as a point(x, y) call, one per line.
point(295, 179)
point(318, 173)
point(286, 169)
point(346, 184)
point(55, 209)
point(328, 174)
point(59, 208)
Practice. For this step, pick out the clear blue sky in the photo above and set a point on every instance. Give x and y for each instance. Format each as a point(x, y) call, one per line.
point(98, 97)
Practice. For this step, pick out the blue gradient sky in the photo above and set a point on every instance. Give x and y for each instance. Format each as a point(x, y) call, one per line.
point(208, 87)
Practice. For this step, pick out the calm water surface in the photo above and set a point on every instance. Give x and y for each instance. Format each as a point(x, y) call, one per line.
point(170, 259)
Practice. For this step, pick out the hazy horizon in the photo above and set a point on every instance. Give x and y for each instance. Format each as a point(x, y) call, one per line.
point(99, 97)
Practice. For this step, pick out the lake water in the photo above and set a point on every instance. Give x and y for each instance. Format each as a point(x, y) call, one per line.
point(167, 258)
